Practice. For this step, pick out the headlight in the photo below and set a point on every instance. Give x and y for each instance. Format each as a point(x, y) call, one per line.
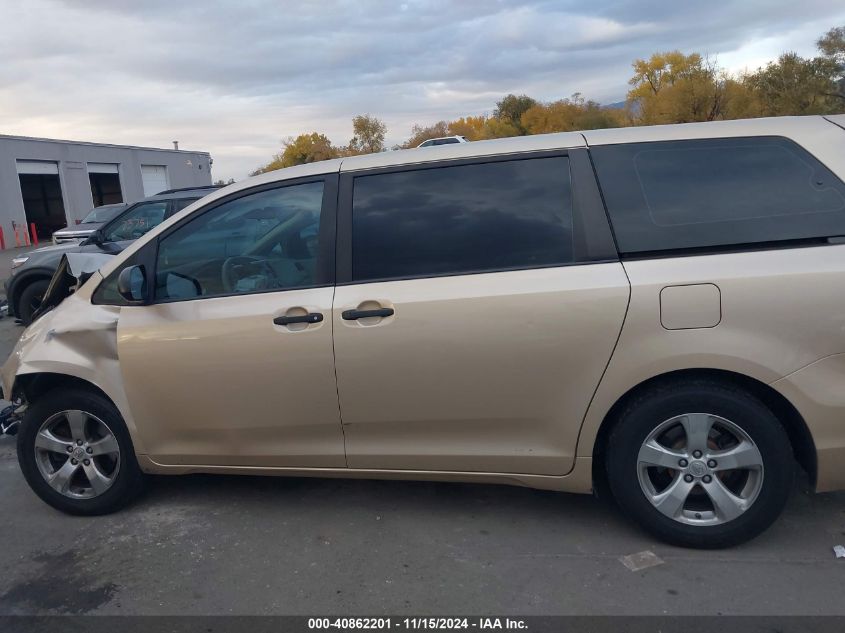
point(19, 261)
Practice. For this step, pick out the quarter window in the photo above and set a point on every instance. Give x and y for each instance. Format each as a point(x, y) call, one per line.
point(717, 192)
point(462, 219)
point(259, 242)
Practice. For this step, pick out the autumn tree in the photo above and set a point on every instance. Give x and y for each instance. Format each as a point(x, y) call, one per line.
point(471, 127)
point(673, 87)
point(421, 133)
point(305, 148)
point(368, 135)
point(566, 115)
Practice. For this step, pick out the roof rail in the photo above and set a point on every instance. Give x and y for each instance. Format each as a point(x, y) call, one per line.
point(160, 193)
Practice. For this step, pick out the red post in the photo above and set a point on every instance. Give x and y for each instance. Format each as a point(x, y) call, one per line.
point(2, 240)
point(25, 235)
point(17, 236)
point(34, 234)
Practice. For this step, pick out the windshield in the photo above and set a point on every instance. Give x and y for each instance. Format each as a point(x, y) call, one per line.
point(136, 221)
point(104, 213)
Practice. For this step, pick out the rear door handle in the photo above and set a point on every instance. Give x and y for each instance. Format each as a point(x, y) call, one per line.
point(311, 317)
point(354, 315)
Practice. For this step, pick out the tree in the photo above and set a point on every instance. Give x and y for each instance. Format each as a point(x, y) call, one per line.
point(471, 127)
point(675, 88)
point(832, 44)
point(832, 47)
point(511, 108)
point(500, 128)
point(368, 135)
point(570, 114)
point(795, 85)
point(305, 148)
point(420, 133)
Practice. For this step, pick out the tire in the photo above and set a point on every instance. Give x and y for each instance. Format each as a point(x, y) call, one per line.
point(674, 416)
point(115, 477)
point(30, 298)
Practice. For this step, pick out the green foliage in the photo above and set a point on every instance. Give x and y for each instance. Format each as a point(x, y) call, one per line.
point(794, 85)
point(511, 108)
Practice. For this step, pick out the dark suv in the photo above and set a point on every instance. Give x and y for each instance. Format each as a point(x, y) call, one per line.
point(31, 272)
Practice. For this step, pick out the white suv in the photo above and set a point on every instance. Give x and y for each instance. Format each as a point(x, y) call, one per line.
point(443, 140)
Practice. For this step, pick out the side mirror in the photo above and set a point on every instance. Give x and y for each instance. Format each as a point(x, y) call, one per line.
point(132, 285)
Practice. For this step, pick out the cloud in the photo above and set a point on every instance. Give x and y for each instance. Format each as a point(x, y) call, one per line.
point(235, 77)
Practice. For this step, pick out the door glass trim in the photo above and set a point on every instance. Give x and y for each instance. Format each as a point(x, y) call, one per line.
point(148, 253)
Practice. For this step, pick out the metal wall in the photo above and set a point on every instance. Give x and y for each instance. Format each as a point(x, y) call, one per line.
point(184, 169)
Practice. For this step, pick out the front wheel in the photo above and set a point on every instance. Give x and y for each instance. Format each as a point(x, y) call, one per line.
point(76, 454)
point(30, 299)
point(700, 464)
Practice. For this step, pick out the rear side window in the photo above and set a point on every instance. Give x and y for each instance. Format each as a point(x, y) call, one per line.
point(717, 192)
point(462, 219)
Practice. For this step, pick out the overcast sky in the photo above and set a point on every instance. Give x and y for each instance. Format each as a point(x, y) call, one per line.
point(234, 78)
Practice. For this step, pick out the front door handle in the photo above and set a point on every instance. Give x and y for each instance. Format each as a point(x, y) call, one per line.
point(354, 315)
point(311, 317)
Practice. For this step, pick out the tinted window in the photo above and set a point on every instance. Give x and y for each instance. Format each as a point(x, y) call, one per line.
point(716, 192)
point(104, 214)
point(462, 219)
point(136, 221)
point(181, 203)
point(259, 242)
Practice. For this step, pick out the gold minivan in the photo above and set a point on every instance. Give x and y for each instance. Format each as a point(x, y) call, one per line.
point(658, 312)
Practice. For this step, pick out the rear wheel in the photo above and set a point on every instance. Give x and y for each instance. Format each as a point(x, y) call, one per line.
point(76, 454)
point(30, 299)
point(700, 464)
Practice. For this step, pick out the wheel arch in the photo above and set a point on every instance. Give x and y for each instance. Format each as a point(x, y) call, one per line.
point(35, 385)
point(32, 385)
point(803, 446)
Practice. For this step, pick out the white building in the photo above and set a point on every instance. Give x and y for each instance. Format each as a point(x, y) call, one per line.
point(54, 183)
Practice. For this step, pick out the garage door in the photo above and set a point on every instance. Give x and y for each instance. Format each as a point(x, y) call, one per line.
point(154, 178)
point(37, 167)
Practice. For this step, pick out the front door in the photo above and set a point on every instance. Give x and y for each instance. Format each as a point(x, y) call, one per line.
point(232, 364)
point(473, 331)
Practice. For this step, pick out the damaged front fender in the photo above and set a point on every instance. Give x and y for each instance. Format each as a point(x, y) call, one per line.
point(72, 339)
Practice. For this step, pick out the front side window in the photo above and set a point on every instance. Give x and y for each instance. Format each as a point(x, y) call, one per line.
point(462, 219)
point(133, 224)
point(717, 192)
point(259, 242)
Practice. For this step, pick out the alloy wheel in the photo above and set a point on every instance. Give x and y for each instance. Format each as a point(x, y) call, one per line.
point(700, 469)
point(77, 454)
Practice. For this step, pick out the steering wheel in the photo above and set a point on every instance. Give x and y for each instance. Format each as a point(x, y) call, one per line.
point(229, 271)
